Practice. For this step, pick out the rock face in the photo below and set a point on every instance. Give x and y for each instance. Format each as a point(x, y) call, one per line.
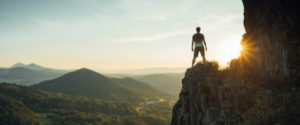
point(199, 100)
point(272, 49)
point(272, 33)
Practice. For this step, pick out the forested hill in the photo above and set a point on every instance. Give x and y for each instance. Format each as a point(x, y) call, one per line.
point(21, 105)
point(86, 82)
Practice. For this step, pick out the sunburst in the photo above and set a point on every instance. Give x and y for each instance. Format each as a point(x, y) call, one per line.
point(248, 51)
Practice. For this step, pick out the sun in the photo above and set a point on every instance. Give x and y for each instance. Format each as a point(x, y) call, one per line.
point(231, 48)
point(235, 46)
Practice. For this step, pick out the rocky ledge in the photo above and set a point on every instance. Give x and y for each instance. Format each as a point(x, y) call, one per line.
point(200, 99)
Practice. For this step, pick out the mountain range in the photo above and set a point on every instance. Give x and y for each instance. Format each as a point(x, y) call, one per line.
point(29, 74)
point(86, 82)
point(81, 96)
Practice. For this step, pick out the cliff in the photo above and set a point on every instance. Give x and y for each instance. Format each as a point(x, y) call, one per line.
point(199, 100)
point(261, 86)
point(272, 32)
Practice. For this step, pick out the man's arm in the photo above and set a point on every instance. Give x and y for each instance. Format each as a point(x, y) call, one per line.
point(193, 44)
point(204, 43)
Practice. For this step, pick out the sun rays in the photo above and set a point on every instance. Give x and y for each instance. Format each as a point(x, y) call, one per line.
point(248, 51)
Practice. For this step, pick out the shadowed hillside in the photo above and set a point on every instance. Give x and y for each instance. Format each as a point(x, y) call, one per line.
point(169, 83)
point(21, 105)
point(137, 86)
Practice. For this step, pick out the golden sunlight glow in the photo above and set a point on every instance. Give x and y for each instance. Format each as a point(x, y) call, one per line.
point(247, 52)
point(231, 48)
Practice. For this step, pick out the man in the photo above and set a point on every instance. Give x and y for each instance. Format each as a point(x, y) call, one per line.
point(199, 40)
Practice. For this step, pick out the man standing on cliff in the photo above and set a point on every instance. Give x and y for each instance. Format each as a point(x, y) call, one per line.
point(199, 40)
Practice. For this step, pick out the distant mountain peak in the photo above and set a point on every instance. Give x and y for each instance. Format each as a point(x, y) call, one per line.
point(84, 73)
point(30, 66)
point(33, 65)
point(19, 64)
point(85, 70)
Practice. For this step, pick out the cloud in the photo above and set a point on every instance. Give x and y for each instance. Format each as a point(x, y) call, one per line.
point(220, 22)
point(155, 9)
point(154, 37)
point(160, 16)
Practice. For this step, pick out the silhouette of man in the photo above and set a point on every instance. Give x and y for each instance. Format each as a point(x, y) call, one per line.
point(199, 40)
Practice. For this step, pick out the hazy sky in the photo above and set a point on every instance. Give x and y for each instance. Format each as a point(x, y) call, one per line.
point(116, 34)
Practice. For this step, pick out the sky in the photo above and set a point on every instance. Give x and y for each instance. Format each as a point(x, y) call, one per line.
point(117, 34)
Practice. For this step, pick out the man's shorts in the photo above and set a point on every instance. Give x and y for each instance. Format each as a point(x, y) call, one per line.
point(197, 50)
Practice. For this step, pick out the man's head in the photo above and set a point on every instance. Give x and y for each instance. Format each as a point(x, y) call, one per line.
point(198, 29)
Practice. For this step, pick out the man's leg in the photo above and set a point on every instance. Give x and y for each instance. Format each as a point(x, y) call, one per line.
point(203, 57)
point(203, 54)
point(196, 52)
point(193, 62)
